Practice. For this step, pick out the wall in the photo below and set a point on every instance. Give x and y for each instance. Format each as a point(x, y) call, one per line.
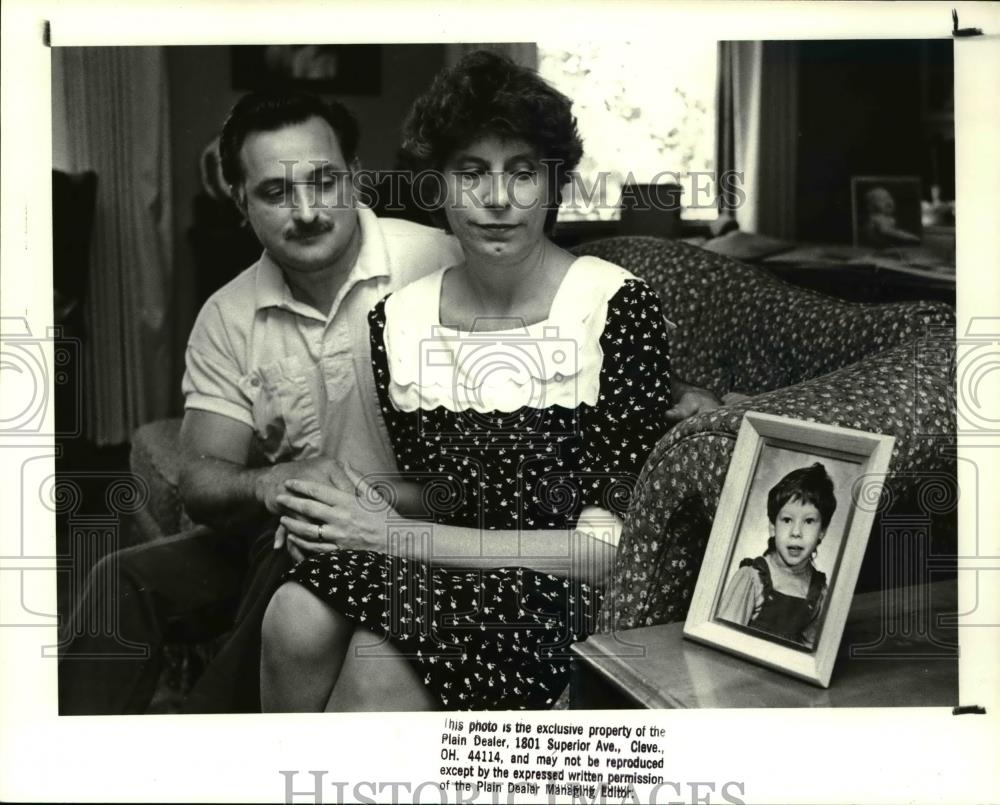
point(862, 112)
point(201, 94)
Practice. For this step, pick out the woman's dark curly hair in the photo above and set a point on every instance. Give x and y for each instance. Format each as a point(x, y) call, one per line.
point(487, 94)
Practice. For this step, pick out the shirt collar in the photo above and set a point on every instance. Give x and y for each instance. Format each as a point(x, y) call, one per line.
point(271, 290)
point(270, 287)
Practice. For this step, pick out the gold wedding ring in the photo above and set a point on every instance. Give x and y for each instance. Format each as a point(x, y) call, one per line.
point(319, 533)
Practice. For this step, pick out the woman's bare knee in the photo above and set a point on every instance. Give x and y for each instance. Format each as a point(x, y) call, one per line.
point(377, 677)
point(303, 642)
point(300, 627)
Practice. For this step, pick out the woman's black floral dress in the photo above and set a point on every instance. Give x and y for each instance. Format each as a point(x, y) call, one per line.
point(513, 429)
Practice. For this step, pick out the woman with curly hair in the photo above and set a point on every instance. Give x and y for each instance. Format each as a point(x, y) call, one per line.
point(522, 390)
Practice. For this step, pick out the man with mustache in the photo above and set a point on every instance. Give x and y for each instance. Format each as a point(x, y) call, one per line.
point(278, 363)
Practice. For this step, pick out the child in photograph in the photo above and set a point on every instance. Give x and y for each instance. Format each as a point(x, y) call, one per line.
point(880, 228)
point(782, 592)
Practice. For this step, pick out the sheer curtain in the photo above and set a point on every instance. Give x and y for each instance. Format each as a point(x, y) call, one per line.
point(757, 132)
point(113, 105)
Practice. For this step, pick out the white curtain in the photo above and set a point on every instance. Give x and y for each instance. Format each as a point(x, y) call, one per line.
point(113, 104)
point(523, 53)
point(757, 132)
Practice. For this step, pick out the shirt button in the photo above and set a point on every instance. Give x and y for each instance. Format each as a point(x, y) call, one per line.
point(255, 381)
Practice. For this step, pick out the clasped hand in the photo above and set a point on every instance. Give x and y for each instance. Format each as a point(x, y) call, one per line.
point(690, 401)
point(323, 517)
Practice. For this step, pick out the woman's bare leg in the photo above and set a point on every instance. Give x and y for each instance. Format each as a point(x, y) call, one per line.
point(303, 645)
point(376, 677)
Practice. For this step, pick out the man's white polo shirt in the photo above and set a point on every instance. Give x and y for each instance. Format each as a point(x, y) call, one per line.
point(303, 381)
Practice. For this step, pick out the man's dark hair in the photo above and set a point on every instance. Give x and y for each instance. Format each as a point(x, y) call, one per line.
point(809, 485)
point(487, 94)
point(270, 111)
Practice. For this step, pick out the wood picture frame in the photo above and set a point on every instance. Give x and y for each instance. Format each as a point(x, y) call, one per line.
point(770, 449)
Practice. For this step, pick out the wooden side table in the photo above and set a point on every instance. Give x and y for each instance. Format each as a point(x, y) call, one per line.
point(900, 649)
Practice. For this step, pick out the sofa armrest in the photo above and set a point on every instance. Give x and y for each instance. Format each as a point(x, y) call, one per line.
point(667, 527)
point(156, 458)
point(742, 329)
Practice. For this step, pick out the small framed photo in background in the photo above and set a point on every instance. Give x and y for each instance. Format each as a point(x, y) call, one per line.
point(335, 69)
point(885, 211)
point(783, 557)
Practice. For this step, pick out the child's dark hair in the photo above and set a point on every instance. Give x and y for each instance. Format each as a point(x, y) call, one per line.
point(809, 485)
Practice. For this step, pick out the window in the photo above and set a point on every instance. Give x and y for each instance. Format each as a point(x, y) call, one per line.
point(642, 110)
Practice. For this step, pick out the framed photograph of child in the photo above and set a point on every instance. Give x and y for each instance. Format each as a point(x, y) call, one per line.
point(885, 211)
point(783, 557)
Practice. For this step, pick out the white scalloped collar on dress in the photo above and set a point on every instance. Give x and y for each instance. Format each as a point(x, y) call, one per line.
point(554, 362)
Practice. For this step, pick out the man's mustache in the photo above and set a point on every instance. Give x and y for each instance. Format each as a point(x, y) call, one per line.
point(304, 232)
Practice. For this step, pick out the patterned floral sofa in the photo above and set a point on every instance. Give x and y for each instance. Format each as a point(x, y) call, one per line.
point(884, 368)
